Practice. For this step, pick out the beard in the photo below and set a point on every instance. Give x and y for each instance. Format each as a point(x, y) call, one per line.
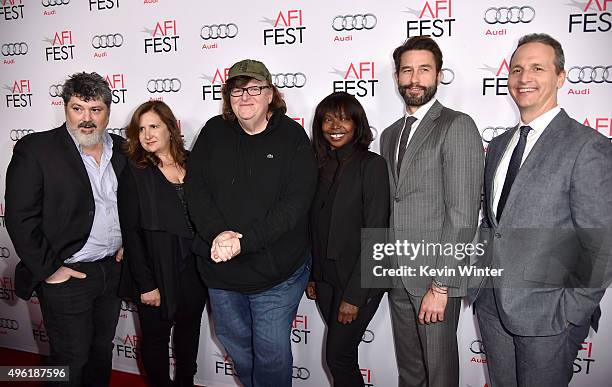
point(428, 94)
point(87, 140)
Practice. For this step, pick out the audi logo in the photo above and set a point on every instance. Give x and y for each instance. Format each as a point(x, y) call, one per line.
point(164, 85)
point(5, 252)
point(448, 76)
point(53, 3)
point(289, 80)
point(17, 134)
point(219, 31)
point(374, 132)
point(505, 15)
point(300, 373)
point(10, 49)
point(588, 74)
point(477, 347)
point(117, 131)
point(56, 90)
point(7, 323)
point(490, 132)
point(107, 41)
point(354, 22)
point(368, 336)
point(128, 306)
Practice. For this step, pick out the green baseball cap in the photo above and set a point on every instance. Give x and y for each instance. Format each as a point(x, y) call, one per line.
point(250, 68)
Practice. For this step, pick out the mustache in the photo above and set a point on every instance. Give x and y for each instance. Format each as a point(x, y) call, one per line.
point(403, 88)
point(87, 124)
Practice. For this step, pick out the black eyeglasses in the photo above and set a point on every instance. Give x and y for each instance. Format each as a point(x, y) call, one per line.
point(251, 90)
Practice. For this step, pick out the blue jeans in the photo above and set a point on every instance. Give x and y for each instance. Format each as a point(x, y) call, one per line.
point(255, 329)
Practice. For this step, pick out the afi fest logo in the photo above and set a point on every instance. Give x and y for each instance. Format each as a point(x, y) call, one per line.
point(504, 17)
point(288, 28)
point(164, 37)
point(2, 224)
point(349, 24)
point(11, 9)
point(127, 347)
point(7, 289)
point(584, 359)
point(116, 82)
point(19, 94)
point(39, 332)
point(61, 47)
point(434, 19)
point(224, 366)
point(498, 84)
point(102, 5)
point(368, 379)
point(602, 125)
point(211, 91)
point(299, 329)
point(358, 79)
point(594, 16)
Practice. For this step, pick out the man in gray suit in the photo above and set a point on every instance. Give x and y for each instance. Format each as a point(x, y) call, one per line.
point(435, 159)
point(548, 221)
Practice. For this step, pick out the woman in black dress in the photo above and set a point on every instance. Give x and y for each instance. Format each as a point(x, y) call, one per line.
point(352, 193)
point(160, 275)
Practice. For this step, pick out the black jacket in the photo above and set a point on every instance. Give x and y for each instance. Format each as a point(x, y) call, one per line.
point(361, 200)
point(49, 203)
point(152, 221)
point(259, 185)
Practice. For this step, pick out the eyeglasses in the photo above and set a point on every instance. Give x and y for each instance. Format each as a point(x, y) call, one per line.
point(252, 90)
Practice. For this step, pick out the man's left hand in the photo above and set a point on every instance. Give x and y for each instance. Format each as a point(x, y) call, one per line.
point(119, 256)
point(432, 307)
point(347, 313)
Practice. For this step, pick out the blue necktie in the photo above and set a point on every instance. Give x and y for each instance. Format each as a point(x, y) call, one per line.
point(513, 169)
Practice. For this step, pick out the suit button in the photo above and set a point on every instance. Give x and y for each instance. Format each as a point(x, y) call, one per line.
point(497, 235)
point(397, 199)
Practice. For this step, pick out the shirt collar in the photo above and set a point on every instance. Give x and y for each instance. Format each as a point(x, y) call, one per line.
point(107, 142)
point(422, 110)
point(539, 124)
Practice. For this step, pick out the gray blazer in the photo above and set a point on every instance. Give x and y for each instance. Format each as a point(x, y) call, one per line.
point(436, 197)
point(553, 239)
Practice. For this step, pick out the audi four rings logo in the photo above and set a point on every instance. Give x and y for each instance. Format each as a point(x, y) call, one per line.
point(368, 336)
point(289, 80)
point(128, 307)
point(590, 74)
point(165, 85)
point(505, 15)
point(10, 49)
point(53, 3)
point(300, 373)
point(354, 22)
point(490, 132)
point(17, 134)
point(107, 41)
point(477, 347)
point(448, 76)
point(5, 252)
point(219, 31)
point(7, 323)
point(55, 90)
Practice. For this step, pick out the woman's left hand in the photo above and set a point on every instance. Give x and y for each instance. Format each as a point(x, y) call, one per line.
point(347, 313)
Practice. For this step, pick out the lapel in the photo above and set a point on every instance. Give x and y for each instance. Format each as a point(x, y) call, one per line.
point(534, 159)
point(71, 154)
point(395, 131)
point(118, 159)
point(495, 155)
point(425, 128)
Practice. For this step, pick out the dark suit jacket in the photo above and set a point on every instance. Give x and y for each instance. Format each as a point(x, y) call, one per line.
point(152, 221)
point(553, 239)
point(49, 203)
point(361, 201)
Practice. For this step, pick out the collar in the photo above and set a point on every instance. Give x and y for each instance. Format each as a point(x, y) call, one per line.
point(421, 111)
point(539, 124)
point(344, 152)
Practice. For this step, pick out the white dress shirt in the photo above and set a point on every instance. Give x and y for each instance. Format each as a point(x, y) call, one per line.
point(419, 114)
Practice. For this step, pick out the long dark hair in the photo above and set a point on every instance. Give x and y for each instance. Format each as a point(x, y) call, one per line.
point(340, 103)
point(136, 152)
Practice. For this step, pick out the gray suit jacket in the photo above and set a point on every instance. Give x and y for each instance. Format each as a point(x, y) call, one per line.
point(436, 197)
point(553, 239)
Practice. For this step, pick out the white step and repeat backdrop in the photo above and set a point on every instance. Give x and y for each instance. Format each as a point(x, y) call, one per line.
point(179, 51)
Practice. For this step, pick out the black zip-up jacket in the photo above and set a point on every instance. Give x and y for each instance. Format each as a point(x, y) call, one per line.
point(258, 185)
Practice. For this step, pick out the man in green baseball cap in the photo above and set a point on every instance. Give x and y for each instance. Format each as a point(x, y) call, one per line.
point(250, 68)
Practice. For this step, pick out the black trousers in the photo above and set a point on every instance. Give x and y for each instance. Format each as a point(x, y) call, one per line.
point(341, 347)
point(191, 299)
point(80, 317)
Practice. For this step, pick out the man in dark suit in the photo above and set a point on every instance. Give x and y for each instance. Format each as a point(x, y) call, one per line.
point(548, 221)
point(435, 160)
point(61, 215)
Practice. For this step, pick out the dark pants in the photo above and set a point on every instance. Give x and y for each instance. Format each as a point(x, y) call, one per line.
point(80, 316)
point(191, 298)
point(341, 347)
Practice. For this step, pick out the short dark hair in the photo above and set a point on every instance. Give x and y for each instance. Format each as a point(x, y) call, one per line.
point(547, 40)
point(340, 103)
point(276, 106)
point(418, 43)
point(87, 86)
point(134, 149)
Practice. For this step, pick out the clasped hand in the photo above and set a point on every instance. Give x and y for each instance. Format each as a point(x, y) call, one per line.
point(225, 246)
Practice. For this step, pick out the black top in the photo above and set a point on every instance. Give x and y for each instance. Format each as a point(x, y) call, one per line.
point(259, 185)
